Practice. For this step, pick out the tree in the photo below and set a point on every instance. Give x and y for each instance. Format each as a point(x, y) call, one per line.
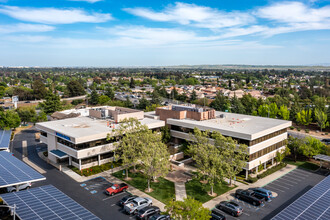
point(151, 107)
point(294, 144)
point(237, 106)
point(304, 117)
point(234, 154)
point(94, 98)
point(263, 110)
point(103, 99)
point(273, 110)
point(312, 147)
point(207, 156)
point(155, 157)
point(193, 96)
point(132, 83)
point(9, 119)
point(155, 99)
point(249, 103)
point(174, 93)
point(166, 134)
point(189, 208)
point(27, 114)
point(51, 104)
point(284, 112)
point(143, 103)
point(39, 89)
point(321, 119)
point(74, 88)
point(109, 92)
point(128, 103)
point(281, 154)
point(220, 103)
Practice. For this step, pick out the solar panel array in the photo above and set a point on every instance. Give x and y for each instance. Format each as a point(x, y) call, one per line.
point(4, 138)
point(314, 204)
point(46, 202)
point(322, 157)
point(14, 172)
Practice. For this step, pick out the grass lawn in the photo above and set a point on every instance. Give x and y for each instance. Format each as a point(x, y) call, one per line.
point(96, 169)
point(303, 164)
point(198, 191)
point(163, 190)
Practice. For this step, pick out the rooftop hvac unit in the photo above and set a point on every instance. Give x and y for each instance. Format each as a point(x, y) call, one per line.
point(222, 116)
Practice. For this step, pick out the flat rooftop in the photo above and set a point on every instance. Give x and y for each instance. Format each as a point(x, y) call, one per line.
point(82, 129)
point(235, 125)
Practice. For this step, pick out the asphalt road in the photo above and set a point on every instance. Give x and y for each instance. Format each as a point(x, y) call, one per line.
point(96, 205)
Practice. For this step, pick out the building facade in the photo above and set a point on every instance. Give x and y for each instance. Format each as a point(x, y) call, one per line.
point(82, 141)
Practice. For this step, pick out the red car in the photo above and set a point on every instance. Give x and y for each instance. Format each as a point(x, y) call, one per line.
point(116, 188)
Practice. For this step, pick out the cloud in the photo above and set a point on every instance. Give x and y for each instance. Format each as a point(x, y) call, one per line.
point(16, 28)
point(89, 1)
point(53, 16)
point(191, 14)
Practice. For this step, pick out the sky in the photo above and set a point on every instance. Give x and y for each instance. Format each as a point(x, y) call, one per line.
point(110, 33)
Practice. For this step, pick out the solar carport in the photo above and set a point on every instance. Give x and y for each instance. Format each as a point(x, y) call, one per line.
point(46, 202)
point(14, 172)
point(314, 204)
point(5, 139)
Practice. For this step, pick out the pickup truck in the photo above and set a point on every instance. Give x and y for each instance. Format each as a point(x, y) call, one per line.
point(116, 188)
point(249, 196)
point(137, 204)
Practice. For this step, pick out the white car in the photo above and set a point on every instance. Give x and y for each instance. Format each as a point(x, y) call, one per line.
point(20, 187)
point(137, 204)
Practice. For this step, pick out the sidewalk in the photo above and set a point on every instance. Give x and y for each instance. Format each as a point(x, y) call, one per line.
point(180, 191)
point(260, 183)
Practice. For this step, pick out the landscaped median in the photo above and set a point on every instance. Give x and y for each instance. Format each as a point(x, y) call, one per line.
point(303, 164)
point(162, 190)
point(199, 191)
point(96, 169)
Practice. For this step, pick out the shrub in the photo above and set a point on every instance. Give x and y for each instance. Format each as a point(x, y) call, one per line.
point(271, 170)
point(307, 130)
point(298, 129)
point(252, 179)
point(326, 133)
point(291, 127)
point(45, 153)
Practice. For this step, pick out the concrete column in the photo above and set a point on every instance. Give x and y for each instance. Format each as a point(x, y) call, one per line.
point(272, 160)
point(265, 165)
point(99, 159)
point(256, 170)
point(246, 174)
point(79, 164)
point(70, 160)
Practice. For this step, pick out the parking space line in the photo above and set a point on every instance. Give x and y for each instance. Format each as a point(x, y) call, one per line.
point(284, 181)
point(280, 186)
point(113, 196)
point(294, 177)
point(303, 173)
point(275, 188)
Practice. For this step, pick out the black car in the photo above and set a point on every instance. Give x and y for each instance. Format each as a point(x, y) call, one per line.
point(230, 207)
point(216, 215)
point(160, 217)
point(147, 212)
point(127, 199)
point(249, 196)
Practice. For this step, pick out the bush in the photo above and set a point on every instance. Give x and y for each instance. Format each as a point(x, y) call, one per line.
point(307, 130)
point(271, 170)
point(77, 101)
point(96, 169)
point(45, 153)
point(326, 133)
point(291, 127)
point(252, 179)
point(298, 129)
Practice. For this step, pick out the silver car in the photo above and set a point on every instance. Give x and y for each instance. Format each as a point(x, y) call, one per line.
point(137, 204)
point(20, 187)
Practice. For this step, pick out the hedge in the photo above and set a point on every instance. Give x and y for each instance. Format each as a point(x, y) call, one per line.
point(271, 170)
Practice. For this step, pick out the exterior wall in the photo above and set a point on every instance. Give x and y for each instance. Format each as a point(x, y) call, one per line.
point(51, 143)
point(94, 113)
point(43, 139)
point(166, 113)
point(120, 117)
point(267, 143)
point(95, 150)
point(67, 150)
point(95, 163)
point(252, 164)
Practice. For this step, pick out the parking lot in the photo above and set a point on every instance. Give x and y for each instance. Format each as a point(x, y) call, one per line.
point(287, 188)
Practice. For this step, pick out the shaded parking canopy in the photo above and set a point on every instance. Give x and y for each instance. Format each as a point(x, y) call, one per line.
point(322, 157)
point(314, 204)
point(4, 139)
point(14, 172)
point(46, 202)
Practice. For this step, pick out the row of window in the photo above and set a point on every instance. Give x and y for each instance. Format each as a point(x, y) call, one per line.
point(93, 158)
point(85, 145)
point(239, 141)
point(267, 150)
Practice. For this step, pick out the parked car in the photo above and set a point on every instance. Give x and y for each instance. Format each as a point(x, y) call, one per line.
point(326, 141)
point(249, 196)
point(127, 199)
point(216, 215)
point(137, 204)
point(20, 187)
point(230, 207)
point(160, 217)
point(116, 188)
point(147, 212)
point(265, 193)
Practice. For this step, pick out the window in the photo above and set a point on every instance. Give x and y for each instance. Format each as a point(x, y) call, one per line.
point(107, 155)
point(89, 160)
point(266, 150)
point(43, 133)
point(266, 137)
point(87, 144)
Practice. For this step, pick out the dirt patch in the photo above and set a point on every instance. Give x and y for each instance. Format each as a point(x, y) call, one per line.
point(212, 194)
point(203, 182)
point(148, 191)
point(128, 179)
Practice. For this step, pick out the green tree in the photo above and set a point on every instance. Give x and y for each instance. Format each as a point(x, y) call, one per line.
point(174, 94)
point(74, 88)
point(151, 107)
point(51, 104)
point(94, 98)
point(281, 154)
point(220, 103)
point(132, 83)
point(284, 112)
point(166, 134)
point(237, 106)
point(273, 110)
point(143, 103)
point(294, 144)
point(9, 119)
point(208, 157)
point(155, 98)
point(189, 208)
point(27, 114)
point(321, 119)
point(304, 117)
point(263, 110)
point(312, 147)
point(249, 103)
point(193, 96)
point(2, 91)
point(109, 92)
point(39, 89)
point(103, 99)
point(128, 103)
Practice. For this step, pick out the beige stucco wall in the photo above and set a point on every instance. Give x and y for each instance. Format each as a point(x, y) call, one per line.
point(252, 164)
point(267, 143)
point(95, 150)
